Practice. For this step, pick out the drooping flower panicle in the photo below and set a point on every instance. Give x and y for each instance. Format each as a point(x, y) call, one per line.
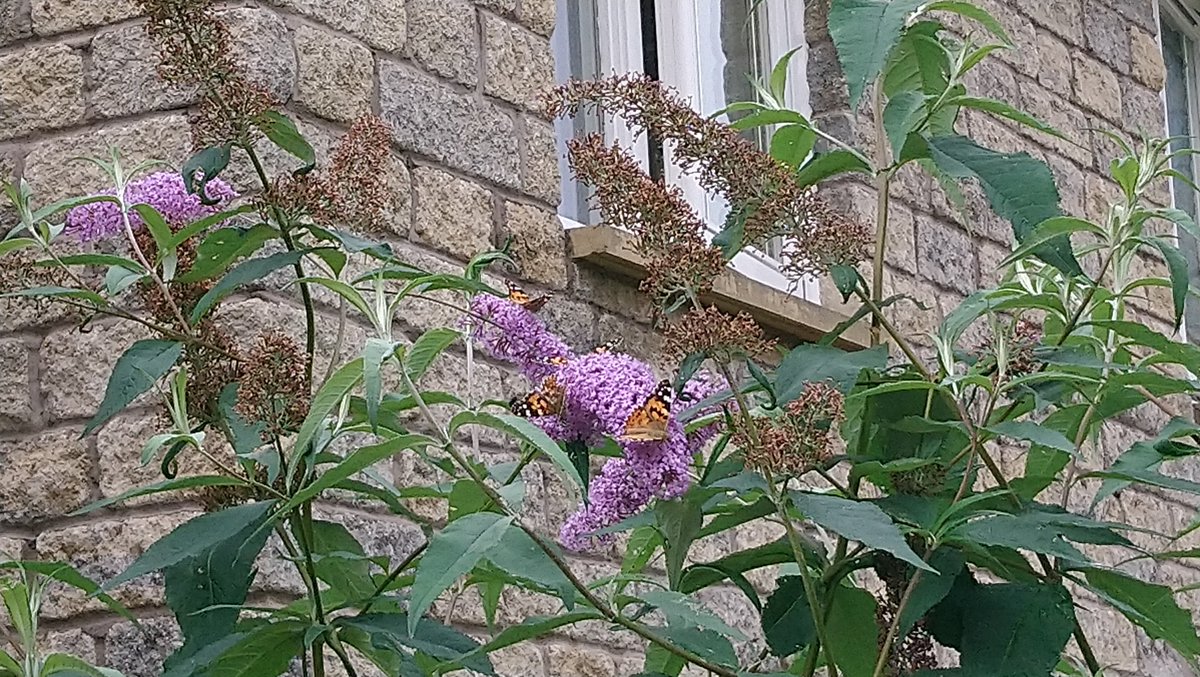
point(601, 390)
point(164, 191)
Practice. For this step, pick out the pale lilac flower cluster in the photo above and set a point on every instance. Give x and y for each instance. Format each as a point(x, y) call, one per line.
point(602, 390)
point(164, 191)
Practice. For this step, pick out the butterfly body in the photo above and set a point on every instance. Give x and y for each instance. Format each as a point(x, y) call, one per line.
point(648, 423)
point(524, 299)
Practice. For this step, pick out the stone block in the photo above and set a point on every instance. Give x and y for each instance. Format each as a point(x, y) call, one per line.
point(101, 550)
point(574, 322)
point(539, 167)
point(518, 65)
point(518, 660)
point(336, 75)
point(46, 475)
point(53, 174)
point(73, 642)
point(911, 319)
point(15, 23)
point(614, 294)
point(261, 45)
point(60, 16)
point(1023, 34)
point(140, 651)
point(539, 246)
point(993, 78)
point(901, 239)
point(11, 548)
point(247, 318)
point(77, 365)
point(383, 25)
point(16, 406)
point(41, 88)
point(1142, 108)
point(441, 37)
point(826, 82)
point(1053, 55)
point(1066, 118)
point(945, 255)
point(1140, 12)
point(125, 78)
point(452, 214)
point(1146, 57)
point(565, 660)
point(118, 448)
point(1063, 17)
point(1097, 86)
point(1070, 181)
point(1107, 35)
point(538, 15)
point(636, 340)
point(437, 121)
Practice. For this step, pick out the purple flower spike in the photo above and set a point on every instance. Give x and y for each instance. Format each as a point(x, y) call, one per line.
point(164, 191)
point(602, 390)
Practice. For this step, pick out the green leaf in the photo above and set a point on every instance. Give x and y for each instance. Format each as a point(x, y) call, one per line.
point(266, 651)
point(779, 74)
point(787, 620)
point(452, 552)
point(520, 557)
point(65, 665)
point(1004, 110)
point(679, 523)
point(357, 461)
point(192, 538)
point(813, 362)
point(858, 521)
point(158, 227)
point(376, 351)
point(864, 32)
point(1047, 232)
point(280, 129)
point(426, 349)
point(98, 260)
point(1149, 477)
point(732, 238)
point(244, 273)
point(1037, 531)
point(537, 626)
point(768, 116)
point(1177, 266)
point(704, 643)
point(222, 247)
point(342, 563)
point(139, 368)
point(821, 166)
point(846, 279)
point(1035, 433)
point(853, 632)
point(209, 163)
point(1020, 189)
point(524, 431)
point(790, 144)
point(189, 482)
point(427, 636)
point(918, 63)
point(932, 588)
point(65, 573)
point(336, 388)
point(218, 576)
point(54, 292)
point(704, 574)
point(681, 610)
point(1152, 607)
point(971, 11)
point(903, 111)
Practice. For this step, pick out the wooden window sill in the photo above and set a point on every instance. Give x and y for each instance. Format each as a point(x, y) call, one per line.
point(781, 313)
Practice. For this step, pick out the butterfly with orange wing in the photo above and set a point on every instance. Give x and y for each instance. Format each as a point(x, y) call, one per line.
point(522, 298)
point(547, 400)
point(648, 423)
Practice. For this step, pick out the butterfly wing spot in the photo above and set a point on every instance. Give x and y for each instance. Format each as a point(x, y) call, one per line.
point(609, 346)
point(648, 423)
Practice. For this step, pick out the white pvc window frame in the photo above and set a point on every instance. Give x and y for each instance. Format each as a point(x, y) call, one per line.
point(688, 54)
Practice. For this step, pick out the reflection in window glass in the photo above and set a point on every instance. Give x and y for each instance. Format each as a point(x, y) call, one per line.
point(1179, 57)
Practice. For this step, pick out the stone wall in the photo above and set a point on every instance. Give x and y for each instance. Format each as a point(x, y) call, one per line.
point(474, 163)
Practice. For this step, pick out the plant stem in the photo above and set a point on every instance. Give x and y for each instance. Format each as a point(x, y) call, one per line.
point(883, 182)
point(894, 626)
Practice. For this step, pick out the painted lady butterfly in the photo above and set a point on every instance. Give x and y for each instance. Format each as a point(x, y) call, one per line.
point(521, 297)
point(547, 400)
point(648, 422)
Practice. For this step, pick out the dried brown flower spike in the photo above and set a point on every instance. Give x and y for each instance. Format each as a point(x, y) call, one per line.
point(274, 387)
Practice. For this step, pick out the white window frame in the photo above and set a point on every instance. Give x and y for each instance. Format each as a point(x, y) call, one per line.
point(1185, 15)
point(682, 49)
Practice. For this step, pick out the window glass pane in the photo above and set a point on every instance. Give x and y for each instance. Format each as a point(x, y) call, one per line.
point(1178, 56)
point(576, 55)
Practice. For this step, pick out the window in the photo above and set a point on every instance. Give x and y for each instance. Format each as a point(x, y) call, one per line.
point(1180, 36)
point(709, 51)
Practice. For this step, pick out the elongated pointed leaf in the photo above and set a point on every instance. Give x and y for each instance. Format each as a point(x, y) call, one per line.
point(189, 482)
point(427, 636)
point(852, 631)
point(524, 431)
point(425, 350)
point(280, 129)
point(192, 538)
point(858, 521)
point(358, 460)
point(864, 33)
point(244, 273)
point(1177, 267)
point(65, 573)
point(1034, 433)
point(831, 163)
point(266, 651)
point(1020, 189)
point(221, 248)
point(1152, 607)
point(787, 620)
point(453, 552)
point(337, 387)
point(135, 372)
